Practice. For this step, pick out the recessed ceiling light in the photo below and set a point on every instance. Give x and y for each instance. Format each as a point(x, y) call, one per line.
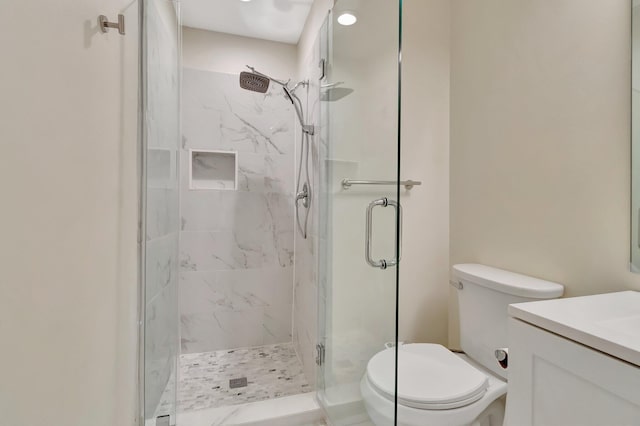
point(347, 18)
point(245, 1)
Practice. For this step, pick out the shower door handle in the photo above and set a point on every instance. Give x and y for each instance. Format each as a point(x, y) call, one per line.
point(382, 202)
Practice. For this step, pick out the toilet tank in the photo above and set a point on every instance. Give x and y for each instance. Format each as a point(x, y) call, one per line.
point(484, 293)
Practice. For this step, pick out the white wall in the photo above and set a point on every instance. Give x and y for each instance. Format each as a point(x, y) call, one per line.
point(68, 181)
point(424, 271)
point(540, 140)
point(211, 51)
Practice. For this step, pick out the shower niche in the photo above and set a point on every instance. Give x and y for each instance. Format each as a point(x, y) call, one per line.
point(213, 169)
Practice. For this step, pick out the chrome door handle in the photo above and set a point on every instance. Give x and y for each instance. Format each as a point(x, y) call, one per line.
point(382, 263)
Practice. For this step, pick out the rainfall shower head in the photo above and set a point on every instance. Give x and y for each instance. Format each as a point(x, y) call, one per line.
point(254, 82)
point(258, 82)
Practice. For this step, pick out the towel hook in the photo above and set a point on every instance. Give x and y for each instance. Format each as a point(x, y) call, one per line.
point(105, 24)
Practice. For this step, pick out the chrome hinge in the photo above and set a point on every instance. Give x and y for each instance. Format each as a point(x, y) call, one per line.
point(140, 233)
point(320, 354)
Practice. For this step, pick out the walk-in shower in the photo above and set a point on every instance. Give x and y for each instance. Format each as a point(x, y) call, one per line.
point(259, 82)
point(249, 224)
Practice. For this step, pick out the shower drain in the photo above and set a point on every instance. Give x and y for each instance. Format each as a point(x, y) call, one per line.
point(238, 383)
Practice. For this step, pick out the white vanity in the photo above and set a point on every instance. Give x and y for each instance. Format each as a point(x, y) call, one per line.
point(575, 361)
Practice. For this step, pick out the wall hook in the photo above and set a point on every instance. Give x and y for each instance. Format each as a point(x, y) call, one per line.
point(105, 24)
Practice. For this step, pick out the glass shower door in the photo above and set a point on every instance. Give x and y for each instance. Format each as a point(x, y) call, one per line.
point(160, 219)
point(360, 220)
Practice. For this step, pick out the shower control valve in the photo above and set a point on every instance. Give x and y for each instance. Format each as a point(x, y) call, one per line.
point(304, 195)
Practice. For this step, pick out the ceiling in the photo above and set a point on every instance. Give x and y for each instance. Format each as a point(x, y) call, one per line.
point(275, 20)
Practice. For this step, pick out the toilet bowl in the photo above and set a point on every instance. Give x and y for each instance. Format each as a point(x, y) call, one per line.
point(437, 387)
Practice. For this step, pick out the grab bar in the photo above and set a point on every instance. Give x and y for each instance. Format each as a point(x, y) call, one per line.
point(408, 184)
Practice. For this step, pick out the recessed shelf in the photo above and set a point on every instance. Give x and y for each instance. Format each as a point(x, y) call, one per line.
point(213, 169)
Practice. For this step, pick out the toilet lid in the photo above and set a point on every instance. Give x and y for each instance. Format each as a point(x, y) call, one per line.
point(429, 377)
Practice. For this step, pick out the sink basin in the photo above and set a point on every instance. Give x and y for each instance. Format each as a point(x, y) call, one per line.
point(607, 322)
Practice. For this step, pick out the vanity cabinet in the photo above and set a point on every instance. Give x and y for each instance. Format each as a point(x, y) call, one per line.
point(558, 378)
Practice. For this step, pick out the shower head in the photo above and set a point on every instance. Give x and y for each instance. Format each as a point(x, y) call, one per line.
point(258, 82)
point(254, 82)
point(332, 92)
point(335, 94)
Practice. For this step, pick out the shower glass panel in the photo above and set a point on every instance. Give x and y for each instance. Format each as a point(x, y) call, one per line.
point(160, 144)
point(359, 141)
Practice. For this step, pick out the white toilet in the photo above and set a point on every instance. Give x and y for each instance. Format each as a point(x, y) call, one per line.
point(437, 387)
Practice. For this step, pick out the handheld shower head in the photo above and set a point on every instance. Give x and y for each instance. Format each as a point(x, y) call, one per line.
point(254, 82)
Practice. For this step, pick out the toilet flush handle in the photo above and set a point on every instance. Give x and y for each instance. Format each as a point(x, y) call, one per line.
point(502, 355)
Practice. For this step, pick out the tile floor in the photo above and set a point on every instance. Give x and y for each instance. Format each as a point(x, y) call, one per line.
point(271, 371)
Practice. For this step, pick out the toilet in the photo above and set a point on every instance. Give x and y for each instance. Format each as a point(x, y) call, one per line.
point(438, 387)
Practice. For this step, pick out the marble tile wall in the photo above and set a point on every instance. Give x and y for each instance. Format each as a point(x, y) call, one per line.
point(237, 246)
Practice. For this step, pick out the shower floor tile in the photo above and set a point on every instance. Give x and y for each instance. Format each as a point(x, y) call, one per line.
point(271, 371)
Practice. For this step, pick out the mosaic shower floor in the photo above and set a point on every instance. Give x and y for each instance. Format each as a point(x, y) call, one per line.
point(209, 379)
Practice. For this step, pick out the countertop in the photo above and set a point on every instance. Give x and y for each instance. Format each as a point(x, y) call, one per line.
point(609, 322)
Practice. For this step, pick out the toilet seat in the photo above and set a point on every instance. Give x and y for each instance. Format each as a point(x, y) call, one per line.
point(430, 377)
point(488, 410)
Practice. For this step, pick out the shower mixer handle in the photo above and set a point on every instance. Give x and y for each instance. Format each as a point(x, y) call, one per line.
point(305, 196)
